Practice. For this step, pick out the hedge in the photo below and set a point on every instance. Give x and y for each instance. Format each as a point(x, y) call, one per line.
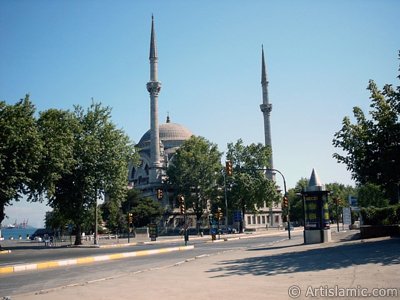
point(389, 215)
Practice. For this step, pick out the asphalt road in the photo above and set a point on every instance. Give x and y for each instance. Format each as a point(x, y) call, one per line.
point(28, 281)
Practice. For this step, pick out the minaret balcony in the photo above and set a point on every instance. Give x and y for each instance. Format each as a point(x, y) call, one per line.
point(266, 108)
point(153, 87)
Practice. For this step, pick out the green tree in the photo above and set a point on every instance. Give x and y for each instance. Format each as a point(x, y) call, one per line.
point(57, 130)
point(115, 213)
point(372, 146)
point(194, 171)
point(371, 195)
point(338, 198)
point(20, 151)
point(296, 201)
point(56, 221)
point(146, 211)
point(100, 166)
point(249, 187)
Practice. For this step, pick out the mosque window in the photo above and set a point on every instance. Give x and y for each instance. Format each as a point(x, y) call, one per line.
point(146, 169)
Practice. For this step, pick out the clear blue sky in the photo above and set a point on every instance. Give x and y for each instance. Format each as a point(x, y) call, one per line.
point(319, 54)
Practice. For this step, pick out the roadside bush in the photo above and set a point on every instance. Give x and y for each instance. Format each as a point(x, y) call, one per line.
point(389, 215)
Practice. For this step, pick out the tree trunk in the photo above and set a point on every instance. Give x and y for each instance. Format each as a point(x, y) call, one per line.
point(78, 236)
point(198, 218)
point(2, 215)
point(242, 220)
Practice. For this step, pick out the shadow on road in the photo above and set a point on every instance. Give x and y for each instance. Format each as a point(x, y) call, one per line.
point(384, 252)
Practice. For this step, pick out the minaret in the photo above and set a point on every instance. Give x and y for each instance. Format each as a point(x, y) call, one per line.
point(154, 87)
point(266, 109)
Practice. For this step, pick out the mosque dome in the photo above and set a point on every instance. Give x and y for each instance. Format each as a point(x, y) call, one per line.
point(171, 135)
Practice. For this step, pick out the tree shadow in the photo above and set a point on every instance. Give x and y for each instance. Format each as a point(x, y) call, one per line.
point(384, 252)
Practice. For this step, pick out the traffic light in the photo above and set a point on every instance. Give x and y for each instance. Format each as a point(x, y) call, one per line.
point(160, 194)
point(338, 201)
point(228, 168)
point(181, 200)
point(220, 214)
point(285, 202)
point(130, 218)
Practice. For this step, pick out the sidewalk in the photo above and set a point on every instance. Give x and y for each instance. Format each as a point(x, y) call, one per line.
point(270, 272)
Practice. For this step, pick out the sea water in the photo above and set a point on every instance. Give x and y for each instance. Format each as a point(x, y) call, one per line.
point(15, 233)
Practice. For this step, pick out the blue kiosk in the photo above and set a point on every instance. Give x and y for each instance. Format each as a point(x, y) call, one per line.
point(316, 212)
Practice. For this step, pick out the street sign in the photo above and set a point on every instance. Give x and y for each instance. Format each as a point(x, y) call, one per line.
point(237, 216)
point(346, 216)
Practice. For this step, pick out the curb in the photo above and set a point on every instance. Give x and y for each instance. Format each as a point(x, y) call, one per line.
point(88, 259)
point(180, 239)
point(249, 236)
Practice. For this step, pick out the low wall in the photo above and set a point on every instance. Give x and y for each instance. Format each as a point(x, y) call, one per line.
point(372, 231)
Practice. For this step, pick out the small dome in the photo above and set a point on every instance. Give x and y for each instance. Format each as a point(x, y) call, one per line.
point(171, 135)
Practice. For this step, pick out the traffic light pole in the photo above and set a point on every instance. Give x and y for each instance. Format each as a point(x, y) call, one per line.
point(285, 191)
point(185, 229)
point(226, 201)
point(337, 213)
point(129, 230)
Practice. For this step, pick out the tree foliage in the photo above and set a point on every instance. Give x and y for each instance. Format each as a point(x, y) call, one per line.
point(20, 151)
point(371, 195)
point(194, 171)
point(296, 201)
point(372, 146)
point(146, 211)
point(338, 198)
point(250, 188)
point(90, 159)
point(57, 130)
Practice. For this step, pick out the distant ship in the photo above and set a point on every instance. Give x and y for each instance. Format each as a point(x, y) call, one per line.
point(22, 225)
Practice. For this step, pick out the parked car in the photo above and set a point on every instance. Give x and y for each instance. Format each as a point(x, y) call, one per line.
point(39, 234)
point(228, 230)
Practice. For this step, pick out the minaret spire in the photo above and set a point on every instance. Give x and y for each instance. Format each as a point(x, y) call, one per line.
point(266, 109)
point(153, 53)
point(263, 71)
point(154, 87)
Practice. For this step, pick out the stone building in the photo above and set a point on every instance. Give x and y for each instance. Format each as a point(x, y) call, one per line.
point(158, 145)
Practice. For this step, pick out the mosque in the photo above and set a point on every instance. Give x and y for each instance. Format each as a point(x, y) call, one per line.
point(158, 145)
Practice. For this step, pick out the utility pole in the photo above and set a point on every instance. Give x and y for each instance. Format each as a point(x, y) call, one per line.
point(95, 217)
